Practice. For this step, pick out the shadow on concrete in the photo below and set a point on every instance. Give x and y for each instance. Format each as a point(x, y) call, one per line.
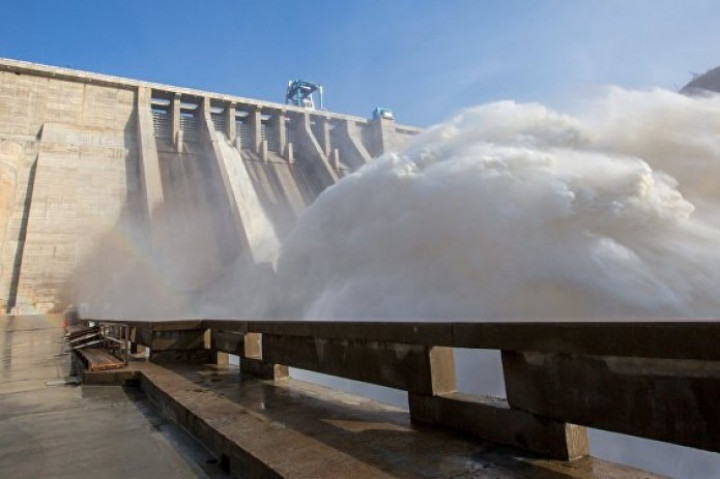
point(195, 455)
point(378, 435)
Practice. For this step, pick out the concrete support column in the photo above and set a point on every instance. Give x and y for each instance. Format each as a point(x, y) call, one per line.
point(136, 348)
point(175, 132)
point(231, 168)
point(149, 161)
point(492, 418)
point(205, 114)
point(178, 342)
point(324, 139)
point(230, 129)
point(289, 155)
point(252, 362)
point(350, 142)
point(307, 147)
point(279, 126)
point(254, 119)
point(264, 150)
point(383, 135)
point(335, 160)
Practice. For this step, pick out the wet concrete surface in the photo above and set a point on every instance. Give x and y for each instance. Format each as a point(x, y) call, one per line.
point(303, 430)
point(80, 432)
point(282, 428)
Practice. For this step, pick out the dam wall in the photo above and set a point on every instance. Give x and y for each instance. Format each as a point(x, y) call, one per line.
point(85, 157)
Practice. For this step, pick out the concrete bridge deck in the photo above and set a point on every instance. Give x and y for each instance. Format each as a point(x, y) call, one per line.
point(255, 427)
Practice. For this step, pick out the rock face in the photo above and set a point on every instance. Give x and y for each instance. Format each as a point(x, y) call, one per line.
point(707, 82)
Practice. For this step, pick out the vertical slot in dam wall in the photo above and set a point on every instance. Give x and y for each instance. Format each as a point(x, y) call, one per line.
point(94, 166)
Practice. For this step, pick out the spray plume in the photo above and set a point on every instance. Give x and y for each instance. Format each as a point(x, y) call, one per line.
point(515, 211)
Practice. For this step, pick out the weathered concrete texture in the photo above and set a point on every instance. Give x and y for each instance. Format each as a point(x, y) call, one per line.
point(82, 432)
point(306, 146)
point(10, 162)
point(666, 400)
point(239, 192)
point(72, 191)
point(85, 156)
point(284, 189)
point(401, 366)
point(348, 135)
point(293, 429)
point(492, 419)
point(148, 155)
point(676, 339)
point(654, 380)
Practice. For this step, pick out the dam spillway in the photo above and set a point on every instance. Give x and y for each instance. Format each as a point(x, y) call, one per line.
point(92, 165)
point(82, 154)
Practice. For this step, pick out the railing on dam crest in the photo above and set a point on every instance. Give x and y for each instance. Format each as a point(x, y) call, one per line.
point(657, 380)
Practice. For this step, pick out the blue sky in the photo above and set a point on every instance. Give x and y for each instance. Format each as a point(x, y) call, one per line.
point(423, 59)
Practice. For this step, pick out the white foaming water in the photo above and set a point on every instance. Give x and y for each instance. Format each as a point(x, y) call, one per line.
point(513, 211)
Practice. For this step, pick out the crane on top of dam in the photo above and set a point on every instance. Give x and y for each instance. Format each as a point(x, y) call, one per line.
point(302, 93)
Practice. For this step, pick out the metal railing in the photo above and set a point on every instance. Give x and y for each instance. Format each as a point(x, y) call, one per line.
point(112, 336)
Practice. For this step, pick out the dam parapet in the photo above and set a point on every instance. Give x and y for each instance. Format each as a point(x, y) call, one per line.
point(651, 380)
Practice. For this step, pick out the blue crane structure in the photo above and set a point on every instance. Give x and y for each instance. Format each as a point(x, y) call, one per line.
point(301, 93)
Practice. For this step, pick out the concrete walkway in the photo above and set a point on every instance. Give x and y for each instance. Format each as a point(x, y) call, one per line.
point(51, 431)
point(254, 428)
point(292, 429)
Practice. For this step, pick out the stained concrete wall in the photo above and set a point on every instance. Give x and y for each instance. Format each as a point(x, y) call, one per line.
point(80, 154)
point(74, 171)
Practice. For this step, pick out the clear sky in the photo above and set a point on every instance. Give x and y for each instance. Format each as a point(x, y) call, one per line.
point(423, 59)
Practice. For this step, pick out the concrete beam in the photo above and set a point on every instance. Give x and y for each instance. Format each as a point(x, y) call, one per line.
point(228, 342)
point(279, 124)
point(149, 162)
point(230, 127)
point(428, 334)
point(288, 154)
point(263, 369)
point(83, 77)
point(171, 340)
point(666, 400)
point(185, 343)
point(175, 131)
point(254, 120)
point(492, 419)
point(401, 366)
point(666, 340)
point(324, 136)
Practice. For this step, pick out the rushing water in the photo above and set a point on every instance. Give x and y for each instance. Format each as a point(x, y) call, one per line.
point(505, 212)
point(512, 211)
point(517, 212)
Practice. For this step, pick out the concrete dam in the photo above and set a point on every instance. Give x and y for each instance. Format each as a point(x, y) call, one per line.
point(198, 185)
point(176, 169)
